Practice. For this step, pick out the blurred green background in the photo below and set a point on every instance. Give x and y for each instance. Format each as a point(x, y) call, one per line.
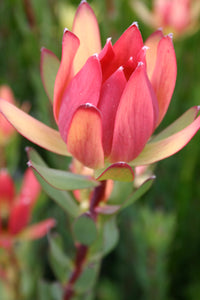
point(158, 254)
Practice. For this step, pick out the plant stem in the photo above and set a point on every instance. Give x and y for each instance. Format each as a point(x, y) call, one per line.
point(82, 250)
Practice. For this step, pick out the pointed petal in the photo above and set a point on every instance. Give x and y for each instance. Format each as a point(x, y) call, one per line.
point(119, 171)
point(164, 76)
point(168, 146)
point(49, 65)
point(128, 45)
point(131, 64)
point(110, 96)
point(30, 188)
point(70, 44)
point(33, 130)
point(7, 187)
point(135, 119)
point(151, 55)
point(83, 88)
point(38, 230)
point(86, 28)
point(85, 136)
point(105, 56)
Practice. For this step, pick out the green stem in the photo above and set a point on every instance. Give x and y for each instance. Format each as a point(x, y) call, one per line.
point(82, 250)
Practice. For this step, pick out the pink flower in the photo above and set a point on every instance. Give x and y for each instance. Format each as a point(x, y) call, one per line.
point(178, 16)
point(15, 210)
point(108, 102)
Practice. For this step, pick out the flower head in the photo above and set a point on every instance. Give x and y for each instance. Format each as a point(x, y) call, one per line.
point(178, 16)
point(108, 102)
point(15, 210)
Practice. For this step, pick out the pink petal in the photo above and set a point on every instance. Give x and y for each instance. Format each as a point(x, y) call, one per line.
point(128, 45)
point(86, 28)
point(164, 76)
point(135, 119)
point(70, 44)
point(110, 96)
point(30, 189)
point(83, 88)
point(38, 230)
point(19, 217)
point(7, 188)
point(85, 136)
point(151, 55)
point(168, 146)
point(105, 56)
point(131, 64)
point(33, 130)
point(49, 65)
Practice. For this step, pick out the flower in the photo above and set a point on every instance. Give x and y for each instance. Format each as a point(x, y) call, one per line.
point(108, 102)
point(178, 16)
point(15, 210)
point(6, 129)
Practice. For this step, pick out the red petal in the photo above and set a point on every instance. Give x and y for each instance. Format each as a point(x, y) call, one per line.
point(135, 119)
point(38, 230)
point(164, 76)
point(85, 136)
point(30, 189)
point(110, 96)
point(70, 44)
point(83, 88)
point(131, 64)
point(19, 217)
point(129, 44)
point(86, 28)
point(152, 44)
point(7, 188)
point(105, 56)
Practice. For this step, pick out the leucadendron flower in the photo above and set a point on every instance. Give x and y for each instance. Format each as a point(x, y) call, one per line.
point(179, 16)
point(15, 210)
point(108, 102)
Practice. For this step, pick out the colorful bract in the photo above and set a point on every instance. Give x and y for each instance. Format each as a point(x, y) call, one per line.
point(107, 103)
point(15, 210)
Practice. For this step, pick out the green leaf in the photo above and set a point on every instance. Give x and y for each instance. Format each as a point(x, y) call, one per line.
point(119, 171)
point(87, 279)
point(59, 179)
point(60, 263)
point(49, 67)
point(62, 198)
point(110, 235)
point(85, 230)
point(139, 192)
point(47, 291)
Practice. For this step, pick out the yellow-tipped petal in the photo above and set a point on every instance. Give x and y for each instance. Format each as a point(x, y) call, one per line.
point(33, 130)
point(86, 28)
point(155, 151)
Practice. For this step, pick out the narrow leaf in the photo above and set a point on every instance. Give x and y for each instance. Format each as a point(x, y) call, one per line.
point(59, 179)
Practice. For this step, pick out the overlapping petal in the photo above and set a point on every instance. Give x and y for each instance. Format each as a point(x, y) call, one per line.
point(85, 136)
point(164, 76)
point(86, 28)
point(70, 44)
point(135, 118)
point(83, 88)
